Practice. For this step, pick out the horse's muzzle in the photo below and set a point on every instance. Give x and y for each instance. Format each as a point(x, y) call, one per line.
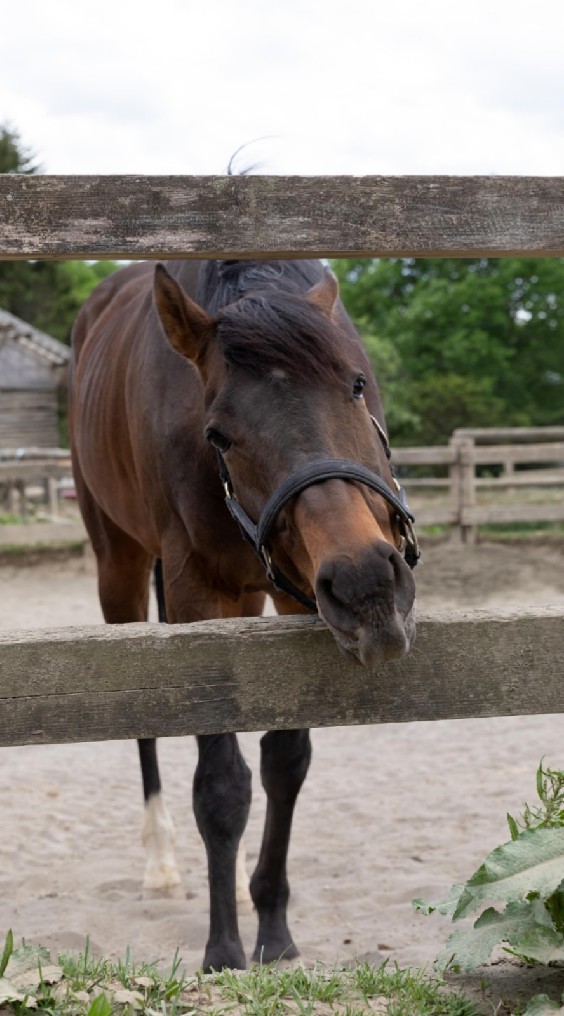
point(369, 603)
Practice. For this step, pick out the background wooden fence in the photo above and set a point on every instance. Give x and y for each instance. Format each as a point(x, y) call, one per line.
point(266, 673)
point(467, 451)
point(456, 506)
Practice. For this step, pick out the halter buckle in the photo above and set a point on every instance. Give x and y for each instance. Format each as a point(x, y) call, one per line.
point(269, 565)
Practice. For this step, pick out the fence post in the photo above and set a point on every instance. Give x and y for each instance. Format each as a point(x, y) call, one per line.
point(463, 486)
point(52, 496)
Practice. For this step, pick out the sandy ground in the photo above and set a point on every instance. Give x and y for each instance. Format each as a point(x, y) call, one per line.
point(388, 813)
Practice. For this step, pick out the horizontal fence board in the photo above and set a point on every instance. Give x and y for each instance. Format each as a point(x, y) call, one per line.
point(103, 682)
point(436, 515)
point(526, 478)
point(500, 454)
point(520, 435)
point(33, 453)
point(444, 455)
point(34, 470)
point(525, 512)
point(275, 216)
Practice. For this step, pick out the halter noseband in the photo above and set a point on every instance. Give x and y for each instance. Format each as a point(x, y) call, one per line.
point(257, 534)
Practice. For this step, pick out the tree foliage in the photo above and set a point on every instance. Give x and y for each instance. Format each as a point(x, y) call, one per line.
point(461, 342)
point(48, 294)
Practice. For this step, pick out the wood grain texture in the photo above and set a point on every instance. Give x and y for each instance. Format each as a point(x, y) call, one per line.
point(143, 680)
point(519, 435)
point(270, 216)
point(516, 512)
point(34, 470)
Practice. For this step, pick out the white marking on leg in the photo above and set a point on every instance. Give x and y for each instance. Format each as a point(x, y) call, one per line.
point(158, 838)
point(242, 893)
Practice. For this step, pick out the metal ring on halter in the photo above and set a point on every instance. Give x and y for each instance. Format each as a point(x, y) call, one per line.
point(269, 565)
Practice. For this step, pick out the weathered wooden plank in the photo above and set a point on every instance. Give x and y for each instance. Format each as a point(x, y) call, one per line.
point(500, 454)
point(139, 680)
point(527, 478)
point(31, 452)
point(519, 435)
point(436, 515)
point(519, 512)
point(254, 216)
point(426, 455)
point(29, 469)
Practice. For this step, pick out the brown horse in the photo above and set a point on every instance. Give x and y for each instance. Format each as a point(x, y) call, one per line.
point(243, 378)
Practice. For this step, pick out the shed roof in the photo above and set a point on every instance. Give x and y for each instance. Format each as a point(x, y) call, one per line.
point(44, 346)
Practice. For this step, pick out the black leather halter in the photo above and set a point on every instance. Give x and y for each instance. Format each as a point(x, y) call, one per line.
point(318, 471)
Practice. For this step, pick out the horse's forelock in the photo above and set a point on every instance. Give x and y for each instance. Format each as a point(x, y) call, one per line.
point(265, 323)
point(274, 330)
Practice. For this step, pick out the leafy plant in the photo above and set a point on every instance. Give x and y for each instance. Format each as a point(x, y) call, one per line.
point(527, 873)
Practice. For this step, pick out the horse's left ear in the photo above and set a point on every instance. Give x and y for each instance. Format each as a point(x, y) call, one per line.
point(187, 327)
point(325, 293)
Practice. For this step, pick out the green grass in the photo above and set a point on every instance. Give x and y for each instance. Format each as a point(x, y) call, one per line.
point(84, 985)
point(11, 519)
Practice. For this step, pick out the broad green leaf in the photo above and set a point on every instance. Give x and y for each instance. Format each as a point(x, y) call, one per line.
point(100, 1006)
point(532, 863)
point(541, 944)
point(447, 906)
point(471, 947)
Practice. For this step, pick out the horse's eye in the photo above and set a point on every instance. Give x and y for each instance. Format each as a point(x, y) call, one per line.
point(217, 439)
point(358, 387)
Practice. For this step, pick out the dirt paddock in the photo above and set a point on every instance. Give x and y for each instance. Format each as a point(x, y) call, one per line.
point(388, 813)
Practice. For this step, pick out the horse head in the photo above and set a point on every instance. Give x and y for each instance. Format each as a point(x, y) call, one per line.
point(287, 385)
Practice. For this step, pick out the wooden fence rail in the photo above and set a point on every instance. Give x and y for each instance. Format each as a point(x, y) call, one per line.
point(463, 456)
point(257, 216)
point(142, 680)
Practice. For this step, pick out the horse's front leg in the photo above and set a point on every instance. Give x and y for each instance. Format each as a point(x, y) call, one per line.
point(285, 759)
point(222, 798)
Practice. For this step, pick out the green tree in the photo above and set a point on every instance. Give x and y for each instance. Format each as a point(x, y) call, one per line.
point(477, 341)
point(48, 294)
point(14, 157)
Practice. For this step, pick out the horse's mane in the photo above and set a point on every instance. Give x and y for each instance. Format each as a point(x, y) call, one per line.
point(264, 322)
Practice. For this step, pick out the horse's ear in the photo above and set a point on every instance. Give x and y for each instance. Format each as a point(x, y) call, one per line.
point(187, 327)
point(325, 293)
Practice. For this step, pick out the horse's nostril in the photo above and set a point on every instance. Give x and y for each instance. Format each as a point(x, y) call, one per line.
point(334, 609)
point(349, 592)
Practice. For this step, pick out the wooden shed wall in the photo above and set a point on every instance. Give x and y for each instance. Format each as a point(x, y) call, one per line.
point(28, 418)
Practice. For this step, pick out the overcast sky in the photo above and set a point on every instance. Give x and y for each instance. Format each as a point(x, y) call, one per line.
point(362, 86)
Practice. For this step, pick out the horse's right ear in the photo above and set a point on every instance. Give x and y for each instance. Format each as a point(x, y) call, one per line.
point(187, 327)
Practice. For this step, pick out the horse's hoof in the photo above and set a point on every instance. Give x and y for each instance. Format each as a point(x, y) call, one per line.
point(224, 954)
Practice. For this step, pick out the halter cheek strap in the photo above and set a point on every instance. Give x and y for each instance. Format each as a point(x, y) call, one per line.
point(257, 534)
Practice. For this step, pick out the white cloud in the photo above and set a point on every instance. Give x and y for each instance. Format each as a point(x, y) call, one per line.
point(363, 87)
